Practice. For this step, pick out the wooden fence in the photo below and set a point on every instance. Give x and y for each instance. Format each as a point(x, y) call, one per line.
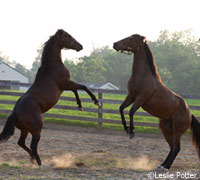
point(99, 110)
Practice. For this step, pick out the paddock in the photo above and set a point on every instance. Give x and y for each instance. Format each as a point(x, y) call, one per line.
point(75, 152)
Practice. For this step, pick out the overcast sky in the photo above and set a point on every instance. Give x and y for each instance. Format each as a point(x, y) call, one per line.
point(26, 24)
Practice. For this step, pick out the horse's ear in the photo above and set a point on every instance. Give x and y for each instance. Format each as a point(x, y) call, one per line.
point(143, 38)
point(59, 33)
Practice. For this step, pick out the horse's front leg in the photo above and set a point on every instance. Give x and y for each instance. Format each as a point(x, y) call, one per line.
point(78, 101)
point(138, 102)
point(75, 86)
point(125, 104)
point(68, 87)
point(84, 88)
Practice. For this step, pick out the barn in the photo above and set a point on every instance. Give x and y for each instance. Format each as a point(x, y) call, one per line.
point(9, 74)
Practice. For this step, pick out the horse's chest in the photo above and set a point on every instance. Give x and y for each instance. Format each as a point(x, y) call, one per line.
point(133, 86)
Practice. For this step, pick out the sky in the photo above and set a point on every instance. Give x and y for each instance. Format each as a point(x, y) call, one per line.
point(27, 24)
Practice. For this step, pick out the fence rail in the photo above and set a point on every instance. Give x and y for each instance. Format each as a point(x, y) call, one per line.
point(100, 110)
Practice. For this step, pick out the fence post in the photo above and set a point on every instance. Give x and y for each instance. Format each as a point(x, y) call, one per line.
point(100, 114)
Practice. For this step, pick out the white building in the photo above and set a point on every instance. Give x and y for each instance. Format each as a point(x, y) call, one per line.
point(9, 74)
point(106, 85)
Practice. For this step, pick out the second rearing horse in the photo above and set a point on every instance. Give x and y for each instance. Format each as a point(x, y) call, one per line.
point(51, 80)
point(146, 90)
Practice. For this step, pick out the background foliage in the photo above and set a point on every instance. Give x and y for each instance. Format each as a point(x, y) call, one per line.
point(177, 57)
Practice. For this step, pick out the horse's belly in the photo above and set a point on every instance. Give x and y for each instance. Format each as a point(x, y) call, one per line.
point(159, 114)
point(47, 102)
point(46, 106)
point(160, 110)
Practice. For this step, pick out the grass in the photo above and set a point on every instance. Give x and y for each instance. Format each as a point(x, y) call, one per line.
point(95, 115)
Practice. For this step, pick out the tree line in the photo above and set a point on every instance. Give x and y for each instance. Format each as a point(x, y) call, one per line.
point(177, 56)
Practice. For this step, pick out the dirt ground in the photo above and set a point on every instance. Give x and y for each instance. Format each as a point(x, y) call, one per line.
point(80, 153)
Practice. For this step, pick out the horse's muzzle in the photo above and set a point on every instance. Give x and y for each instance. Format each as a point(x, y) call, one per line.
point(116, 47)
point(79, 48)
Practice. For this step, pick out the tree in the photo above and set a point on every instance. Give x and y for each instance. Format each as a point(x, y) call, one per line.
point(177, 56)
point(35, 65)
point(102, 65)
point(22, 69)
point(118, 67)
point(4, 58)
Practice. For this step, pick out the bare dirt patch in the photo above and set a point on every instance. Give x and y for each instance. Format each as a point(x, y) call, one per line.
point(70, 152)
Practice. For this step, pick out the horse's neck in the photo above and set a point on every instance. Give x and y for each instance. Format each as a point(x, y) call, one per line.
point(51, 56)
point(140, 64)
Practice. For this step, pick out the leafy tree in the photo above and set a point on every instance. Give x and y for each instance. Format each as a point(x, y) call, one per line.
point(103, 65)
point(22, 69)
point(35, 65)
point(177, 55)
point(4, 58)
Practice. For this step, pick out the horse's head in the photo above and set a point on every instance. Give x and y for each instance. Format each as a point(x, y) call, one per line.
point(130, 44)
point(65, 40)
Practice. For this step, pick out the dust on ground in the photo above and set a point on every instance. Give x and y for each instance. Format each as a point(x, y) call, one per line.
point(80, 153)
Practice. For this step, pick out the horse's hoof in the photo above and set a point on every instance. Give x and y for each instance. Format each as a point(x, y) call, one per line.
point(44, 165)
point(80, 108)
point(132, 135)
point(98, 104)
point(161, 168)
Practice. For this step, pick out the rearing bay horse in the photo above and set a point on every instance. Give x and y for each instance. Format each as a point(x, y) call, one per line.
point(51, 80)
point(146, 90)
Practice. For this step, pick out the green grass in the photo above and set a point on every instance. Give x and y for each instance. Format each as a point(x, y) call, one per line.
point(94, 115)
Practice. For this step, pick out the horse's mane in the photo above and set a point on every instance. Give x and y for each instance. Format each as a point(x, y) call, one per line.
point(46, 48)
point(151, 60)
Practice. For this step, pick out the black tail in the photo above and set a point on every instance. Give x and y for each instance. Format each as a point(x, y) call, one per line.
point(195, 127)
point(8, 129)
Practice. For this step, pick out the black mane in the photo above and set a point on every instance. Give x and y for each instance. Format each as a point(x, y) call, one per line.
point(150, 58)
point(46, 49)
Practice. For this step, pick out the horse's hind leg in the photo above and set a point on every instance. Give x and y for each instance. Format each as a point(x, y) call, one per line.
point(22, 144)
point(166, 127)
point(34, 144)
point(125, 104)
point(173, 151)
point(178, 126)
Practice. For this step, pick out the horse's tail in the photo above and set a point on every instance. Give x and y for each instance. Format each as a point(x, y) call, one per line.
point(195, 127)
point(8, 129)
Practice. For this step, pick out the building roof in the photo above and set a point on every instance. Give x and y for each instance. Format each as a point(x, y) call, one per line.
point(103, 85)
point(1, 62)
point(4, 73)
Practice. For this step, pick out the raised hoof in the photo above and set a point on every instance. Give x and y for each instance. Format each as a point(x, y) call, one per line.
point(98, 104)
point(132, 135)
point(80, 109)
